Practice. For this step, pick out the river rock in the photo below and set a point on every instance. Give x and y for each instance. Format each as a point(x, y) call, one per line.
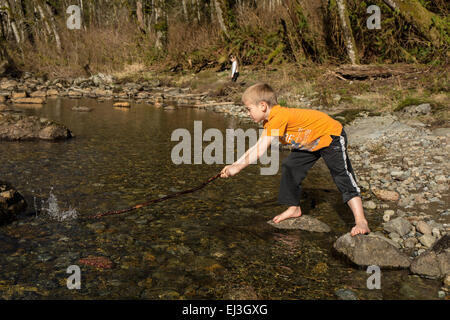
point(421, 109)
point(82, 109)
point(245, 292)
point(371, 249)
point(363, 129)
point(52, 92)
point(28, 101)
point(121, 105)
point(410, 243)
point(434, 262)
point(346, 294)
point(15, 126)
point(423, 228)
point(38, 94)
point(369, 205)
point(447, 281)
point(427, 240)
point(101, 78)
point(386, 195)
point(399, 225)
point(18, 95)
point(11, 203)
point(304, 222)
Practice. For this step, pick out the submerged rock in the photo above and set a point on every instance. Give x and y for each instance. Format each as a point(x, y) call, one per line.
point(11, 203)
point(303, 222)
point(434, 262)
point(98, 262)
point(346, 294)
point(121, 105)
point(245, 292)
point(82, 109)
point(371, 249)
point(15, 126)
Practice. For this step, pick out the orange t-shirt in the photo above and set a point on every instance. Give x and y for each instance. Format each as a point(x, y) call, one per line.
point(302, 129)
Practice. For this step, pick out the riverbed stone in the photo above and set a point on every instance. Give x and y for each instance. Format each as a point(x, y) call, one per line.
point(369, 205)
point(52, 92)
point(28, 101)
point(244, 292)
point(121, 105)
point(371, 249)
point(12, 203)
point(15, 126)
point(410, 243)
point(399, 225)
point(304, 222)
point(386, 195)
point(427, 240)
point(423, 228)
point(363, 129)
point(81, 109)
point(434, 262)
point(346, 294)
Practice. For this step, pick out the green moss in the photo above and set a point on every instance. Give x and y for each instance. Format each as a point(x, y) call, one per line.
point(275, 53)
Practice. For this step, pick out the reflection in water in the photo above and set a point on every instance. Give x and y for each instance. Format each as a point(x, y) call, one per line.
point(205, 245)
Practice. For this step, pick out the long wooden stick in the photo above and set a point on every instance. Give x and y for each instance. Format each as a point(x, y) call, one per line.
point(173, 195)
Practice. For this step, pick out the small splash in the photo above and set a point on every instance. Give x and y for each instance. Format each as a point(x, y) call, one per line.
point(52, 209)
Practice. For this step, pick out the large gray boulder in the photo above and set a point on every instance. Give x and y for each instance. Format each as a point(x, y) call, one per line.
point(14, 126)
point(363, 129)
point(371, 249)
point(434, 262)
point(303, 222)
point(11, 203)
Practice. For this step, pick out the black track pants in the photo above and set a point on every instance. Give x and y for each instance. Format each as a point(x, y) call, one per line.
point(296, 165)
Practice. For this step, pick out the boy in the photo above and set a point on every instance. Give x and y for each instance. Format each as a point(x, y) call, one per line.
point(311, 134)
point(234, 68)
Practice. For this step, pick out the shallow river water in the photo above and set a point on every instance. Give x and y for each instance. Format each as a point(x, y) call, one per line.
point(211, 244)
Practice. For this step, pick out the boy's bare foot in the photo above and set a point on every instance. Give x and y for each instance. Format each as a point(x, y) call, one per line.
point(361, 227)
point(291, 212)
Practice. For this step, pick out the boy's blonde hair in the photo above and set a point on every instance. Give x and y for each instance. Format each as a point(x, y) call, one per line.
point(260, 92)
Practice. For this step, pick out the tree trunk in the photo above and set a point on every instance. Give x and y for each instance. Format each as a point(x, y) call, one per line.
point(308, 25)
point(219, 13)
point(426, 22)
point(140, 16)
point(12, 22)
point(44, 18)
point(347, 31)
point(185, 12)
point(53, 25)
point(161, 24)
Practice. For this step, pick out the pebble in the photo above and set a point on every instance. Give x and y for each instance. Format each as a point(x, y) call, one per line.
point(346, 294)
point(370, 205)
point(427, 240)
point(423, 227)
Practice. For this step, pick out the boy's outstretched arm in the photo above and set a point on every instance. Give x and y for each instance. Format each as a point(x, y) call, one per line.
point(250, 156)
